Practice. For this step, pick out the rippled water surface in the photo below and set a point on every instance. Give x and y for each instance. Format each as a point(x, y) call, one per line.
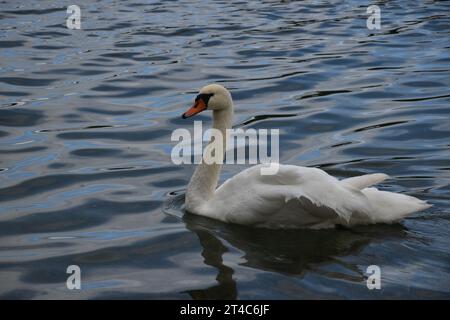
point(86, 118)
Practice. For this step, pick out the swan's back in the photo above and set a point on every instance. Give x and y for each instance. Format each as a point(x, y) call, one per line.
point(297, 197)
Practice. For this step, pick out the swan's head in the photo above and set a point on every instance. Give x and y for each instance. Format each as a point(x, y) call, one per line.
point(211, 97)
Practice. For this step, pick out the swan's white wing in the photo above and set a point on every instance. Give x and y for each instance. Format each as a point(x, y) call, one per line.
point(306, 197)
point(294, 195)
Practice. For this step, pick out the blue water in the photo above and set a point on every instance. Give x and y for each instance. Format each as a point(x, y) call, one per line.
point(86, 118)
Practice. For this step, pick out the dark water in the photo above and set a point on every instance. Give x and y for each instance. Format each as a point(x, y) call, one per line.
point(86, 118)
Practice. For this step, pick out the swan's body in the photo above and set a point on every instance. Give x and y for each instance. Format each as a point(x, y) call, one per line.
point(294, 197)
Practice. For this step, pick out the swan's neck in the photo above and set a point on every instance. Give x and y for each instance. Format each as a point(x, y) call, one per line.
point(206, 176)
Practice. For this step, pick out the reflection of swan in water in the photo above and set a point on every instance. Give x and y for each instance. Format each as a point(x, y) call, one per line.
point(293, 252)
point(213, 250)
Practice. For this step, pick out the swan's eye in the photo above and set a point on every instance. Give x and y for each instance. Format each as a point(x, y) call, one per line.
point(205, 97)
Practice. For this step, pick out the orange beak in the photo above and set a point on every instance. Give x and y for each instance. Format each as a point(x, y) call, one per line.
point(198, 107)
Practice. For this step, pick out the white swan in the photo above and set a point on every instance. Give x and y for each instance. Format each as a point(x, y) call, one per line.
point(295, 197)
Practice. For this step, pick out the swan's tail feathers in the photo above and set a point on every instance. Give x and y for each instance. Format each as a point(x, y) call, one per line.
point(390, 207)
point(367, 180)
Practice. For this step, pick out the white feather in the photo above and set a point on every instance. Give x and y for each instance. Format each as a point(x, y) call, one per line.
point(298, 197)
